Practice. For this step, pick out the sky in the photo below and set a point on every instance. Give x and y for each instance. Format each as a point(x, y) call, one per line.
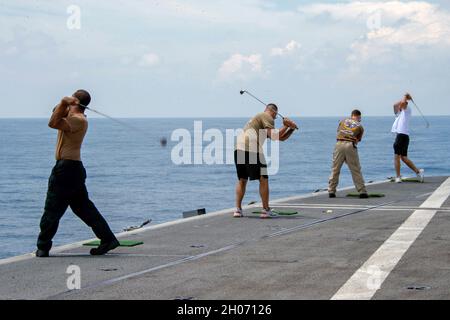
point(166, 58)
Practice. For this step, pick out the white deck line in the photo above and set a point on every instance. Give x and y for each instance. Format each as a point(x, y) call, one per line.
point(367, 280)
point(351, 207)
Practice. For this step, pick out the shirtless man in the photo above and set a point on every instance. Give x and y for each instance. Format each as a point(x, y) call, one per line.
point(66, 185)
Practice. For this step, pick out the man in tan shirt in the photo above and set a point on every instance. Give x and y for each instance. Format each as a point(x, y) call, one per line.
point(249, 155)
point(66, 185)
point(349, 134)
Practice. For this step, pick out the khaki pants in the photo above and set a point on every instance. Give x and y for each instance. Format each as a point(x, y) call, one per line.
point(346, 152)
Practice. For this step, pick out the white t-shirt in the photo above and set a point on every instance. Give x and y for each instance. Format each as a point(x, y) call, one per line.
point(401, 123)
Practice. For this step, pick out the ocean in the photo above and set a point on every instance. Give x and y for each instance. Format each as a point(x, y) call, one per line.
point(131, 176)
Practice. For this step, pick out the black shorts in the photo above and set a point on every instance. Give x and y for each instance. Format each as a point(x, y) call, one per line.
point(250, 165)
point(401, 144)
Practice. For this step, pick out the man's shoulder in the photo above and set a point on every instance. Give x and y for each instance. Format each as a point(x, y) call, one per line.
point(77, 117)
point(349, 122)
point(77, 121)
point(261, 114)
point(265, 116)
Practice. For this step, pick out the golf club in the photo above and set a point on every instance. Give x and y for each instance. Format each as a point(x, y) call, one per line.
point(111, 118)
point(163, 140)
point(251, 95)
point(425, 119)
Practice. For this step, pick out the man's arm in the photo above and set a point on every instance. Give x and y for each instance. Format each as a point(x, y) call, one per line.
point(360, 135)
point(58, 119)
point(286, 131)
point(400, 106)
point(282, 135)
point(396, 108)
point(287, 134)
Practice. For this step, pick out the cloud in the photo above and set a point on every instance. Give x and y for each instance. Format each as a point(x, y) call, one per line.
point(212, 44)
point(389, 25)
point(291, 47)
point(149, 60)
point(362, 9)
point(241, 66)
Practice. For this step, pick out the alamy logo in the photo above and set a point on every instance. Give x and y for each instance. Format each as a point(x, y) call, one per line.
point(74, 280)
point(374, 21)
point(213, 147)
point(74, 19)
point(375, 277)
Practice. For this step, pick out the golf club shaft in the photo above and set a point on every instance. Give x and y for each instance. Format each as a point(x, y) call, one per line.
point(111, 118)
point(255, 98)
point(420, 111)
point(244, 91)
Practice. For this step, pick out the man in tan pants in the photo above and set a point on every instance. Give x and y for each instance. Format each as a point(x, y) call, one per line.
point(349, 133)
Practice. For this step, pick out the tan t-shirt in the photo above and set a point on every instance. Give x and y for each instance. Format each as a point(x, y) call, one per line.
point(68, 146)
point(255, 133)
point(350, 130)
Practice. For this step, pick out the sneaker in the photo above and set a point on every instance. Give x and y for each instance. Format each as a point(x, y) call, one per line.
point(363, 196)
point(267, 214)
point(332, 195)
point(42, 253)
point(103, 248)
point(398, 180)
point(421, 175)
point(238, 213)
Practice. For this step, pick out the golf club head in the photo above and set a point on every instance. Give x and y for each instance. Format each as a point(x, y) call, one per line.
point(242, 91)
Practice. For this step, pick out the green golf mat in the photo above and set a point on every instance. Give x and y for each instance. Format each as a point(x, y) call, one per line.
point(123, 243)
point(408, 180)
point(371, 195)
point(280, 213)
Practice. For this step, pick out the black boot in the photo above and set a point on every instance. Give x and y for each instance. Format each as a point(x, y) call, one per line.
point(105, 247)
point(42, 253)
point(363, 196)
point(332, 195)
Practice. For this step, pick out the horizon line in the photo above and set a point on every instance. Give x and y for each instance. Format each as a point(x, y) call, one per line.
point(216, 117)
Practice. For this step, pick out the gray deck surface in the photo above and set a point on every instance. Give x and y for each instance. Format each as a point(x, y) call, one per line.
point(307, 256)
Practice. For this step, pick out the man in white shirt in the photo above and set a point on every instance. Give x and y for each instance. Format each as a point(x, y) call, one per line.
point(401, 144)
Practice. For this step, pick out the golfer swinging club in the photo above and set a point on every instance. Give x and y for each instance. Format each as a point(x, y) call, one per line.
point(66, 185)
point(349, 134)
point(249, 155)
point(401, 144)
